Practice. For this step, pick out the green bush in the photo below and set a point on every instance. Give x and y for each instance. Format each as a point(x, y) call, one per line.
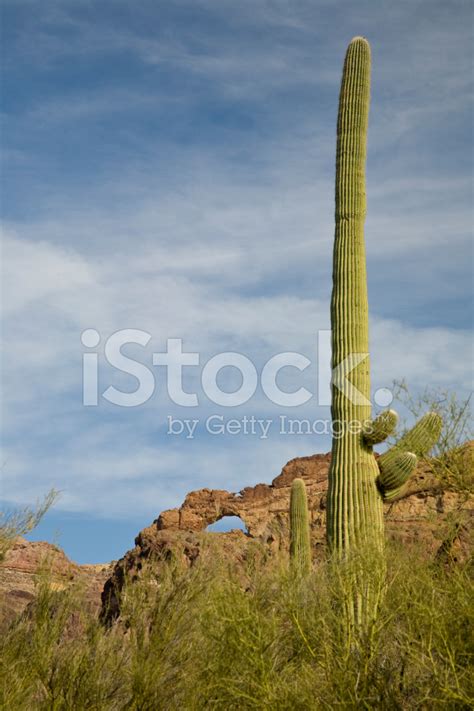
point(214, 636)
point(452, 456)
point(20, 522)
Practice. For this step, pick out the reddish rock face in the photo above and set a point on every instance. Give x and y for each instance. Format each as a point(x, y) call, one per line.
point(25, 561)
point(264, 508)
point(258, 506)
point(419, 515)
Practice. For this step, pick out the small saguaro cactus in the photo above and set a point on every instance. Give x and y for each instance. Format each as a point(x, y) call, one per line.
point(300, 545)
point(358, 482)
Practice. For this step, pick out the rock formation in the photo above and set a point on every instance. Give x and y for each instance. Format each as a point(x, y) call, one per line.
point(421, 514)
point(23, 564)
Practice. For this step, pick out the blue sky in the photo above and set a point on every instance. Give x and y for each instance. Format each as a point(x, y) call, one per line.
point(169, 166)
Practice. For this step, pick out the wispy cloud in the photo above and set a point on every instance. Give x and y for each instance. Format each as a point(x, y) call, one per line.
point(169, 167)
point(43, 392)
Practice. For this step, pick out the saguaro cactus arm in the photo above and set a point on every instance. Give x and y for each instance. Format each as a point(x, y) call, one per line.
point(398, 463)
point(300, 545)
point(420, 439)
point(395, 473)
point(376, 431)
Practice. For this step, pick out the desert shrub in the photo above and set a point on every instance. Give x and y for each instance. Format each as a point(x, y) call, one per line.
point(287, 645)
point(212, 636)
point(20, 522)
point(452, 456)
point(250, 635)
point(56, 656)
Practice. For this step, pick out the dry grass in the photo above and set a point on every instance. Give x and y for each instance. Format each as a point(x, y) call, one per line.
point(198, 638)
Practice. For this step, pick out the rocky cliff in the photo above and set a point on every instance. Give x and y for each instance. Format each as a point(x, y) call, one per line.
point(424, 513)
point(27, 560)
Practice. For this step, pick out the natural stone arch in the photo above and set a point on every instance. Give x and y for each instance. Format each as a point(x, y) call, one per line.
point(226, 523)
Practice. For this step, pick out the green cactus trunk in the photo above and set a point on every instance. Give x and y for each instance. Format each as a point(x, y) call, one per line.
point(355, 527)
point(300, 545)
point(354, 514)
point(358, 482)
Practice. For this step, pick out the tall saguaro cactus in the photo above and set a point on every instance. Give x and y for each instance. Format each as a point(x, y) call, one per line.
point(358, 482)
point(300, 546)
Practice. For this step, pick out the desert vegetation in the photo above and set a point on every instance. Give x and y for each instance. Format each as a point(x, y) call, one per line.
point(213, 636)
point(15, 523)
point(268, 634)
point(373, 626)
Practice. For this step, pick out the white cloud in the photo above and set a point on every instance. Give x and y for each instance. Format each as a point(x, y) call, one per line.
point(157, 292)
point(224, 243)
point(36, 271)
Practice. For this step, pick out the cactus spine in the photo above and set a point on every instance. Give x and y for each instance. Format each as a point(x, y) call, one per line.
point(300, 546)
point(358, 484)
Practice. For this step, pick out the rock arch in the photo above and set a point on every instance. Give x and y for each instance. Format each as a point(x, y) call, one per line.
point(227, 523)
